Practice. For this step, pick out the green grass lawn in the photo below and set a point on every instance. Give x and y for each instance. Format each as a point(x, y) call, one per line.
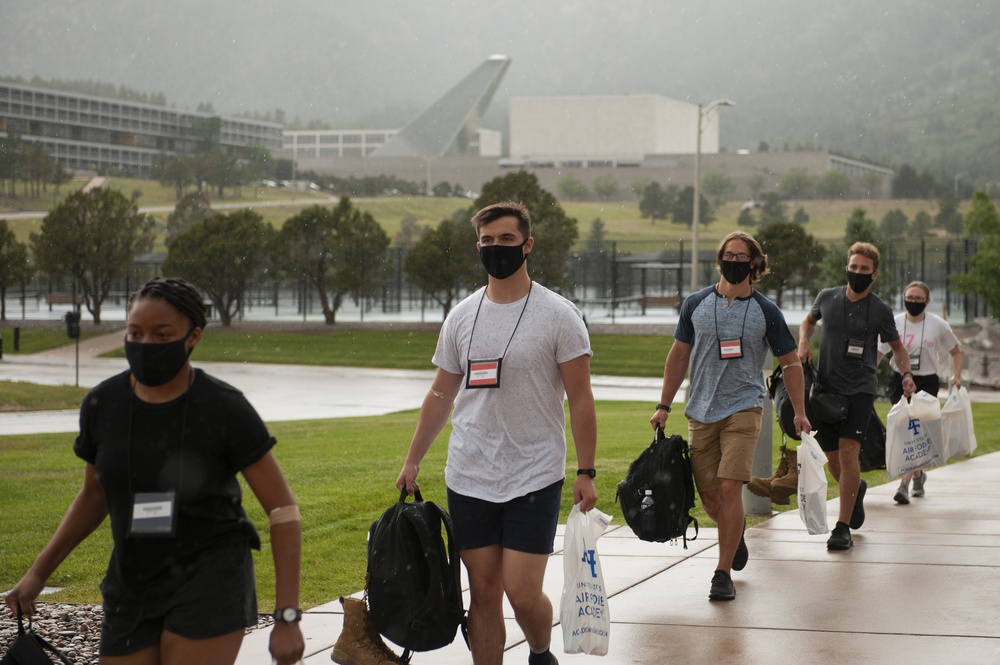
point(342, 472)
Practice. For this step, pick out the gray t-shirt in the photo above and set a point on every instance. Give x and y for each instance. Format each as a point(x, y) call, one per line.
point(510, 440)
point(721, 387)
point(866, 320)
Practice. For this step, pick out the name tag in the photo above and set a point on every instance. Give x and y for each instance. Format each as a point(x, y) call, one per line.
point(730, 348)
point(855, 348)
point(483, 373)
point(153, 514)
point(914, 361)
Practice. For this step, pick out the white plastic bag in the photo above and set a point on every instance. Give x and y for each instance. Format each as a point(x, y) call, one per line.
point(913, 437)
point(583, 609)
point(956, 423)
point(812, 484)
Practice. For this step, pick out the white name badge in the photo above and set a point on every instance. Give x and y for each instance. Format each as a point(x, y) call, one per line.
point(153, 514)
point(730, 348)
point(855, 348)
point(483, 373)
point(914, 361)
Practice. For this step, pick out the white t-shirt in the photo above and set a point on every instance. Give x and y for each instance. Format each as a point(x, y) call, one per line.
point(933, 336)
point(510, 440)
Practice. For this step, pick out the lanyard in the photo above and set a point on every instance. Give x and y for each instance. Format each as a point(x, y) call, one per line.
point(468, 353)
point(868, 311)
point(920, 346)
point(715, 310)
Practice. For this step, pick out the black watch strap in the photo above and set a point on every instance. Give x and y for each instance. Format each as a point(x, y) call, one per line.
point(665, 407)
point(586, 472)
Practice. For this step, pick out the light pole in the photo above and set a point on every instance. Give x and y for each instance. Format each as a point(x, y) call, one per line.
point(703, 116)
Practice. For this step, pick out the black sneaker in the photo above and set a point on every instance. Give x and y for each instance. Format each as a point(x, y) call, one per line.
point(546, 658)
point(840, 538)
point(918, 484)
point(722, 587)
point(858, 515)
point(902, 495)
point(742, 553)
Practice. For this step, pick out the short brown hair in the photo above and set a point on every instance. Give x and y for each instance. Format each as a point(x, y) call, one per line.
point(491, 213)
point(920, 285)
point(864, 249)
point(758, 259)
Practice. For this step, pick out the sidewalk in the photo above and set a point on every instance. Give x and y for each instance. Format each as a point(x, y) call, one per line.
point(919, 586)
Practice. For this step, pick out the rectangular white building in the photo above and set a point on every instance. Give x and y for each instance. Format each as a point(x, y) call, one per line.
point(608, 127)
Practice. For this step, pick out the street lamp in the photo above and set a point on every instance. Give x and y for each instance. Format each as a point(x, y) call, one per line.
point(704, 114)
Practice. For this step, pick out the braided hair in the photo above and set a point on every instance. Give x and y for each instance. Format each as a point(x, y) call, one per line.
point(182, 295)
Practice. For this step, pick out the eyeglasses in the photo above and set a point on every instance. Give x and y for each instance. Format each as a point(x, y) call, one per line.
point(915, 300)
point(729, 256)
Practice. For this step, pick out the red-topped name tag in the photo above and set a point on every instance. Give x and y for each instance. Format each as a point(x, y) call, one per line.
point(730, 348)
point(483, 373)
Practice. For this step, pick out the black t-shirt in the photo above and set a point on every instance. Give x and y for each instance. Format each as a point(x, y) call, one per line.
point(866, 319)
point(194, 446)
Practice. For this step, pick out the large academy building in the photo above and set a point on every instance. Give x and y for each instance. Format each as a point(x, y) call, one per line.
point(83, 132)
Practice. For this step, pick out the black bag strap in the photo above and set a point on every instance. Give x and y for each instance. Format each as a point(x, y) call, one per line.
point(42, 642)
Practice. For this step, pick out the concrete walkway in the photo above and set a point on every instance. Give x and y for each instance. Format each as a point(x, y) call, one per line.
point(919, 586)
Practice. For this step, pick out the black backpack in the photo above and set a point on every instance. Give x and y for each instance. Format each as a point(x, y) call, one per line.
point(783, 410)
point(872, 453)
point(665, 468)
point(414, 581)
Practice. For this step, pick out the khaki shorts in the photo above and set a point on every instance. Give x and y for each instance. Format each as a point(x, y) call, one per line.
point(723, 449)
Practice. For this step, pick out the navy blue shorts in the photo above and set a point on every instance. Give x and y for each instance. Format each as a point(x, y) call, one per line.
point(211, 595)
point(859, 410)
point(525, 524)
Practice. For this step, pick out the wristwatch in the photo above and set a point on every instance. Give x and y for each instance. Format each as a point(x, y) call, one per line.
point(586, 472)
point(665, 407)
point(288, 614)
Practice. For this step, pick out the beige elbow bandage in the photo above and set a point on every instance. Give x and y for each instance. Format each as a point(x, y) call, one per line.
point(795, 364)
point(285, 514)
point(436, 393)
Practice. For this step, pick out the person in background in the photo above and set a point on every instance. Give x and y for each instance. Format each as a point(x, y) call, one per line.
point(163, 443)
point(927, 338)
point(854, 320)
point(724, 333)
point(507, 356)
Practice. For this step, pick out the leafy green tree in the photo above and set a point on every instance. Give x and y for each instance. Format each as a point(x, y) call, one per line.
point(774, 209)
point(340, 251)
point(60, 176)
point(444, 261)
point(656, 202)
point(39, 166)
point(718, 185)
point(92, 237)
point(800, 216)
point(833, 185)
point(442, 190)
point(597, 237)
point(223, 255)
point(12, 157)
point(982, 222)
point(894, 224)
point(409, 232)
point(572, 188)
point(746, 218)
point(193, 208)
point(605, 186)
point(173, 171)
point(756, 181)
point(683, 208)
point(858, 229)
point(797, 183)
point(948, 217)
point(794, 258)
point(15, 267)
point(554, 231)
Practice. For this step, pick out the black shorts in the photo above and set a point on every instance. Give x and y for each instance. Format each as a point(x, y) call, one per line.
point(854, 426)
point(212, 595)
point(929, 383)
point(525, 524)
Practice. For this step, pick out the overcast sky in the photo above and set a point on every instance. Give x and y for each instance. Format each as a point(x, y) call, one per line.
point(338, 61)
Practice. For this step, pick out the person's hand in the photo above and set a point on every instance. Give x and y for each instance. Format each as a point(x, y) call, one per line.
point(909, 386)
point(287, 644)
point(956, 381)
point(805, 354)
point(802, 424)
point(23, 595)
point(659, 419)
point(408, 478)
point(584, 492)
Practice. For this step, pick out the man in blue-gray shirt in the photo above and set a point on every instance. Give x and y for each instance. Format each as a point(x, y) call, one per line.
point(724, 333)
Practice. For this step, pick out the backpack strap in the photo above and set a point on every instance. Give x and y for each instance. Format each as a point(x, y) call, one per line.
point(42, 642)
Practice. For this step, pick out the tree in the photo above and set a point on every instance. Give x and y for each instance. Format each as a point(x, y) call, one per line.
point(442, 190)
point(718, 185)
point(858, 229)
point(554, 231)
point(756, 182)
point(15, 268)
point(605, 186)
point(794, 258)
point(444, 261)
point(340, 251)
point(656, 202)
point(948, 217)
point(833, 185)
point(797, 183)
point(982, 222)
point(800, 216)
point(191, 209)
point(922, 223)
point(683, 208)
point(222, 255)
point(572, 188)
point(746, 218)
point(894, 224)
point(597, 237)
point(93, 238)
point(774, 209)
point(176, 171)
point(12, 157)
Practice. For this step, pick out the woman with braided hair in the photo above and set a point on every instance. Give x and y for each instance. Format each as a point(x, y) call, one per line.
point(163, 443)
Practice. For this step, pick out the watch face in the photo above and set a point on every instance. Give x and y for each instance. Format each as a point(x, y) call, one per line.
point(289, 614)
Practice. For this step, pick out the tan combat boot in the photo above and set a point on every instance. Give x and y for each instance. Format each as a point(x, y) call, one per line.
point(359, 643)
point(762, 486)
point(784, 487)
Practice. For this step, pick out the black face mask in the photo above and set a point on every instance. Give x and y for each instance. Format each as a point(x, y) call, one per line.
point(502, 261)
point(914, 308)
point(859, 281)
point(735, 272)
point(156, 364)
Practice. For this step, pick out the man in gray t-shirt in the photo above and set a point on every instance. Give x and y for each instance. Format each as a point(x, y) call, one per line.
point(854, 319)
point(507, 356)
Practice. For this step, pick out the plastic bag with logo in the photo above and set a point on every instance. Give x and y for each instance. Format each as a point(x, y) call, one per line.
point(583, 609)
point(812, 484)
point(913, 437)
